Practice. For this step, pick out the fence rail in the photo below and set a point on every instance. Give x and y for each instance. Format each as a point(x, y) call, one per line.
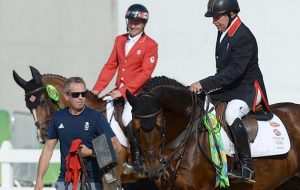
point(9, 156)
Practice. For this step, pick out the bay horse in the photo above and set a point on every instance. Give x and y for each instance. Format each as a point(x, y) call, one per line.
point(177, 153)
point(42, 107)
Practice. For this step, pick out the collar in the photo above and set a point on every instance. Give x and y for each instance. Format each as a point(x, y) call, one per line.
point(74, 112)
point(234, 26)
point(135, 38)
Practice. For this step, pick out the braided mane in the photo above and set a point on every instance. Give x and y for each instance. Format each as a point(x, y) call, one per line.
point(161, 81)
point(59, 77)
point(54, 75)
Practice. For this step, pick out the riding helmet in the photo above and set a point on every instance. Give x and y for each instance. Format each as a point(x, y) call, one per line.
point(137, 12)
point(218, 7)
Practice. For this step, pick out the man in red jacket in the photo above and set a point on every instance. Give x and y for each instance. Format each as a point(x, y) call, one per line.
point(134, 56)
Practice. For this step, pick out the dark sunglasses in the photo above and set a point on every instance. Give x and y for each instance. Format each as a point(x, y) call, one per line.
point(77, 94)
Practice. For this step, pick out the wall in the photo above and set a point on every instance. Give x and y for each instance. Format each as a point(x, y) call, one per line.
point(65, 37)
point(187, 41)
point(74, 37)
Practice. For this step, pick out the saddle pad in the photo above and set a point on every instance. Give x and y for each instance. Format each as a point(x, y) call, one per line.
point(272, 139)
point(113, 123)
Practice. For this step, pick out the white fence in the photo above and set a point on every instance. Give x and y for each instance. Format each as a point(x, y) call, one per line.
point(8, 156)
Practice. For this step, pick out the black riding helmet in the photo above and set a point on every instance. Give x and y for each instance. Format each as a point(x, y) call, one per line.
point(137, 12)
point(218, 7)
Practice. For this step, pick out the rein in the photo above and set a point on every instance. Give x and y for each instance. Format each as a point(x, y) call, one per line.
point(84, 175)
point(206, 155)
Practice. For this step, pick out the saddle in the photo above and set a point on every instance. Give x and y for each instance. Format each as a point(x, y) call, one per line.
point(249, 121)
point(118, 112)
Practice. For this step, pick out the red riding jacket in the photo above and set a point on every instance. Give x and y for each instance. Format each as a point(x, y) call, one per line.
point(134, 70)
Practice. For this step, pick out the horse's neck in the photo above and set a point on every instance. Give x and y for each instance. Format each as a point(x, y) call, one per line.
point(95, 103)
point(177, 110)
point(58, 81)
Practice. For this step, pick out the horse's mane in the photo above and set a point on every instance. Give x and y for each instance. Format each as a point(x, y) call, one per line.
point(61, 78)
point(161, 81)
point(54, 75)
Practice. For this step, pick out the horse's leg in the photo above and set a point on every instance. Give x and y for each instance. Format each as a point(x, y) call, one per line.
point(121, 157)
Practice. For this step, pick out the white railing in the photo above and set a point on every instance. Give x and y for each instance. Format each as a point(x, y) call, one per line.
point(8, 156)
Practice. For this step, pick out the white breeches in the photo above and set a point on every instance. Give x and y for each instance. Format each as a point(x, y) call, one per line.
point(126, 118)
point(236, 109)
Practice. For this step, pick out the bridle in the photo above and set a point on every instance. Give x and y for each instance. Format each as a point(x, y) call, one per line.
point(151, 151)
point(49, 102)
point(177, 145)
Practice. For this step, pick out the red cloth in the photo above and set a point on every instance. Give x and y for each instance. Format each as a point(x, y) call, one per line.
point(263, 98)
point(73, 166)
point(134, 70)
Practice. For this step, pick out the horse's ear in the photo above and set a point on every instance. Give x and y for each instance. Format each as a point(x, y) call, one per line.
point(37, 77)
point(131, 98)
point(21, 82)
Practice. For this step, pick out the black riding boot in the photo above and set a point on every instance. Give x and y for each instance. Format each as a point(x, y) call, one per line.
point(137, 158)
point(244, 171)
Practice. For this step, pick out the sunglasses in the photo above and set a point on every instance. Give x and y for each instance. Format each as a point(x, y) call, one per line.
point(77, 94)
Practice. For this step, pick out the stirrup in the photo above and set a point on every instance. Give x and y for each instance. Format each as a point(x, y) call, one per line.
point(250, 177)
point(243, 174)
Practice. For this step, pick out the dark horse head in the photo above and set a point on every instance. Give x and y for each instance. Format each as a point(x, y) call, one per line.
point(38, 101)
point(44, 95)
point(160, 112)
point(167, 120)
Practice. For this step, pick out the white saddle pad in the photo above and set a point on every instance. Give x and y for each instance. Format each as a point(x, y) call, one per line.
point(272, 139)
point(113, 123)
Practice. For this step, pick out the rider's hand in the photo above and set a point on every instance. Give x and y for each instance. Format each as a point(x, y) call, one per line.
point(196, 87)
point(95, 92)
point(115, 94)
